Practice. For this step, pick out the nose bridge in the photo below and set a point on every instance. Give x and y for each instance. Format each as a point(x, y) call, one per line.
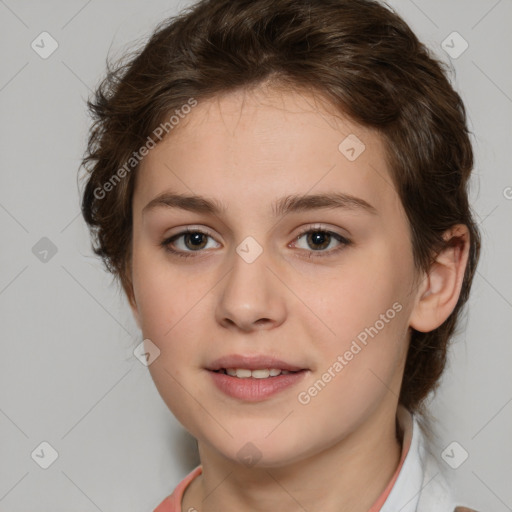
point(252, 295)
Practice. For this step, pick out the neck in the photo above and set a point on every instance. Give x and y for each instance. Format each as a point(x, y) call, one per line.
point(348, 475)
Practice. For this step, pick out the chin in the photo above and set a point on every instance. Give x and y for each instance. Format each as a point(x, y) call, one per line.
point(253, 450)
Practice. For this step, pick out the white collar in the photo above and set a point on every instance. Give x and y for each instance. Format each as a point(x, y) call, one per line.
point(421, 485)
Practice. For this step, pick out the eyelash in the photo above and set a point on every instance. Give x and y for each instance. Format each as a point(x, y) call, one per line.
point(315, 254)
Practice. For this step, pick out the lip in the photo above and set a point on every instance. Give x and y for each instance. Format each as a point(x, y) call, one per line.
point(252, 362)
point(252, 389)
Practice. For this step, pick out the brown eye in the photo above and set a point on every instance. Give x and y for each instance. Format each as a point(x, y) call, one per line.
point(187, 242)
point(196, 240)
point(318, 240)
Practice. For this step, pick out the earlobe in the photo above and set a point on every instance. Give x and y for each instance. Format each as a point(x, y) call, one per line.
point(130, 295)
point(126, 279)
point(439, 292)
point(135, 310)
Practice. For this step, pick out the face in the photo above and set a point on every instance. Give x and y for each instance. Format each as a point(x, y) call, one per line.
point(318, 288)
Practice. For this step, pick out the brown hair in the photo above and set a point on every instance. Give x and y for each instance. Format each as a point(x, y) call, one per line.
point(360, 56)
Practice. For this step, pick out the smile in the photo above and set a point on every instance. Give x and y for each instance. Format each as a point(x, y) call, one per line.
point(245, 373)
point(255, 385)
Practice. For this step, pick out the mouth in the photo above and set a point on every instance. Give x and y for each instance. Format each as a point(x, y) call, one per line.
point(254, 378)
point(260, 373)
point(253, 363)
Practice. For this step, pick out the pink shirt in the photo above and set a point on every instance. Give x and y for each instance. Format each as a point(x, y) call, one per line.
point(173, 502)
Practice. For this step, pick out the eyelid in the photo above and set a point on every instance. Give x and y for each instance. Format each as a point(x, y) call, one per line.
point(344, 241)
point(171, 238)
point(321, 227)
point(190, 229)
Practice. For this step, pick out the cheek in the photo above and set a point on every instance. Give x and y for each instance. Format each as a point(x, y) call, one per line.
point(172, 307)
point(365, 308)
point(178, 392)
point(163, 296)
point(353, 297)
point(361, 365)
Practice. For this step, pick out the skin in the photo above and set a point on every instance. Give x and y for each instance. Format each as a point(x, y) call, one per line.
point(246, 149)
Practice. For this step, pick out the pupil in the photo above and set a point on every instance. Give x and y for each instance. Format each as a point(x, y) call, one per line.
point(196, 240)
point(319, 238)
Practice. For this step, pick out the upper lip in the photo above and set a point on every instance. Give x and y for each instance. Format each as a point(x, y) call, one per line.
point(251, 362)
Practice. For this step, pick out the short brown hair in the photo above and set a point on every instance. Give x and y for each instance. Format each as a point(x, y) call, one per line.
point(360, 56)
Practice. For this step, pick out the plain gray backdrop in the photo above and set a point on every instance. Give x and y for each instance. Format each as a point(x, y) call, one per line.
point(68, 376)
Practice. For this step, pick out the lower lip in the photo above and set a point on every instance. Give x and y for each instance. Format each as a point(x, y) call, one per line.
point(255, 390)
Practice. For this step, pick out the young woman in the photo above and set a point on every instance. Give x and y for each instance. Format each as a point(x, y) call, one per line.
point(281, 188)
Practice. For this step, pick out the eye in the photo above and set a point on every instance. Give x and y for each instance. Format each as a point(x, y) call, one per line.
point(320, 239)
point(194, 240)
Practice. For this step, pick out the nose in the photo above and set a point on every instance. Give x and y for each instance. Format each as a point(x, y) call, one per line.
point(251, 296)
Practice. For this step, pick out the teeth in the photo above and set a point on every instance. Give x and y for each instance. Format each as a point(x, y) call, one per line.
point(263, 373)
point(260, 374)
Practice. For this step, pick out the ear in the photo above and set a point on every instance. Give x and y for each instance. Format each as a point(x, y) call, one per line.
point(440, 289)
point(130, 295)
point(135, 309)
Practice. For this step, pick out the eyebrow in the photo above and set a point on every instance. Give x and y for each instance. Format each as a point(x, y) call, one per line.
point(280, 208)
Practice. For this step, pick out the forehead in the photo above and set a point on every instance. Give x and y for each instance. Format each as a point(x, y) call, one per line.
point(248, 147)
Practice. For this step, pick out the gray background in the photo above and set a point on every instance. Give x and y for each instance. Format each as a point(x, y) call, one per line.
point(67, 372)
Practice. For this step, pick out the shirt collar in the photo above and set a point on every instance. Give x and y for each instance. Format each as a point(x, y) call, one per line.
point(420, 485)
